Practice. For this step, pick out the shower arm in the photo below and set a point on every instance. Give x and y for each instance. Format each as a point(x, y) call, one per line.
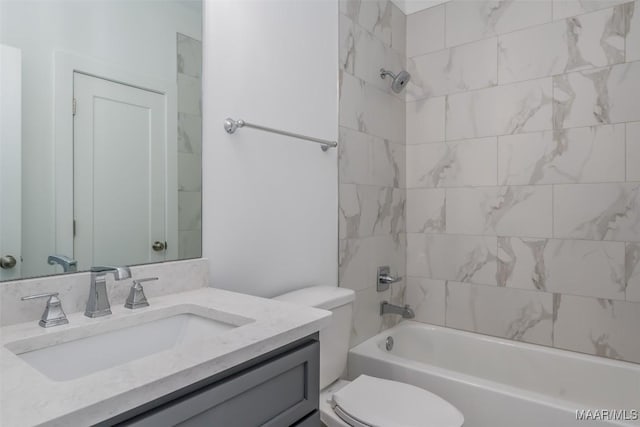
point(384, 73)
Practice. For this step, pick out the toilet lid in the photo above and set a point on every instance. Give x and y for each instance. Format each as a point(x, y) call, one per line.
point(376, 402)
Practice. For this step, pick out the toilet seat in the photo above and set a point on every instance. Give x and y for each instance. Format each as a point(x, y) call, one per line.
point(375, 402)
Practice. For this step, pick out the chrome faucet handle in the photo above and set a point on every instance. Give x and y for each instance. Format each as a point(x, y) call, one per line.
point(136, 298)
point(385, 278)
point(389, 279)
point(68, 265)
point(53, 314)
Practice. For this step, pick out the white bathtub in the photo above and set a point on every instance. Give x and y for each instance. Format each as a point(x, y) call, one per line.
point(502, 383)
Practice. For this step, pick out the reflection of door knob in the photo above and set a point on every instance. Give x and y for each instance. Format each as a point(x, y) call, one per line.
point(159, 246)
point(7, 262)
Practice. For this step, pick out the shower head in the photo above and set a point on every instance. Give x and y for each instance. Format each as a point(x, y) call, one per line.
point(400, 80)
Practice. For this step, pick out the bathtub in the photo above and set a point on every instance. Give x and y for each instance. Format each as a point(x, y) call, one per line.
point(501, 383)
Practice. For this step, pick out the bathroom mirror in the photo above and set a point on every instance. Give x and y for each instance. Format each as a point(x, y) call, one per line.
point(100, 134)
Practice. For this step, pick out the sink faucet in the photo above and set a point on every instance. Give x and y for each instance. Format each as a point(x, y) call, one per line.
point(68, 265)
point(98, 302)
point(406, 312)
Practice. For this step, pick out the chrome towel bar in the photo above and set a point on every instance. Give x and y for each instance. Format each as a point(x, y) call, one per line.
point(231, 126)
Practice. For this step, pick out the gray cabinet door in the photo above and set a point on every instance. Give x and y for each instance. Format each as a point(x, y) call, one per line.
point(312, 420)
point(275, 393)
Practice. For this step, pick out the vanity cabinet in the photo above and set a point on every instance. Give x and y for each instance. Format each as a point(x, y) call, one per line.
point(280, 388)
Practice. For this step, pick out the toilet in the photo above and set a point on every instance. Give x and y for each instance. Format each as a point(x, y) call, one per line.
point(366, 401)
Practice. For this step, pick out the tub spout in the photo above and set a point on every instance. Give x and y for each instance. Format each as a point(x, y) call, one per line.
point(406, 312)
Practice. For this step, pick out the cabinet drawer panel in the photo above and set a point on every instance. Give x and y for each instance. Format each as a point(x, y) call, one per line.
point(262, 402)
point(275, 393)
point(311, 420)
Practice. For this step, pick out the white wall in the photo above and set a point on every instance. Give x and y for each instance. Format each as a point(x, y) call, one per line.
point(270, 202)
point(137, 36)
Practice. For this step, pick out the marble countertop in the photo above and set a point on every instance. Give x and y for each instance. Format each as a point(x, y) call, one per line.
point(28, 397)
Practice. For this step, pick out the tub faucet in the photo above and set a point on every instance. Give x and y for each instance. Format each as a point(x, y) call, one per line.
point(406, 312)
point(385, 279)
point(98, 302)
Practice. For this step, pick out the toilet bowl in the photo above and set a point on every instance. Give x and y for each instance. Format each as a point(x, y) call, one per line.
point(366, 401)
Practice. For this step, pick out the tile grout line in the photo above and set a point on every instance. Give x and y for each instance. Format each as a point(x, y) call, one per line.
point(517, 289)
point(529, 80)
point(546, 22)
point(465, 44)
point(553, 187)
point(626, 172)
point(553, 213)
point(531, 132)
point(626, 178)
point(485, 187)
point(519, 236)
point(444, 25)
point(525, 290)
point(446, 301)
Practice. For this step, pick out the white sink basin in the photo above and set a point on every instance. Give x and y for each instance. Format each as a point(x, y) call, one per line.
point(76, 358)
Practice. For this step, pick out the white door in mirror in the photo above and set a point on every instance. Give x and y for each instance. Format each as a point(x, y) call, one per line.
point(10, 162)
point(120, 163)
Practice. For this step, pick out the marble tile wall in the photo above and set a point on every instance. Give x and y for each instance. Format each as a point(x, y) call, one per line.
point(371, 158)
point(523, 171)
point(189, 76)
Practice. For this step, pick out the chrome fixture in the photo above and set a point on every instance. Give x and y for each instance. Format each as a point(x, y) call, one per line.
point(159, 246)
point(400, 80)
point(53, 314)
point(136, 298)
point(231, 126)
point(7, 262)
point(385, 278)
point(98, 302)
point(406, 312)
point(388, 343)
point(68, 265)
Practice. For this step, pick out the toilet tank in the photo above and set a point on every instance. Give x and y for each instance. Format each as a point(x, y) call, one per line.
point(334, 338)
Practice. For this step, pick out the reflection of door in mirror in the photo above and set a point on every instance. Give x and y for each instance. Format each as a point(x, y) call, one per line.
point(10, 163)
point(120, 161)
point(145, 138)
